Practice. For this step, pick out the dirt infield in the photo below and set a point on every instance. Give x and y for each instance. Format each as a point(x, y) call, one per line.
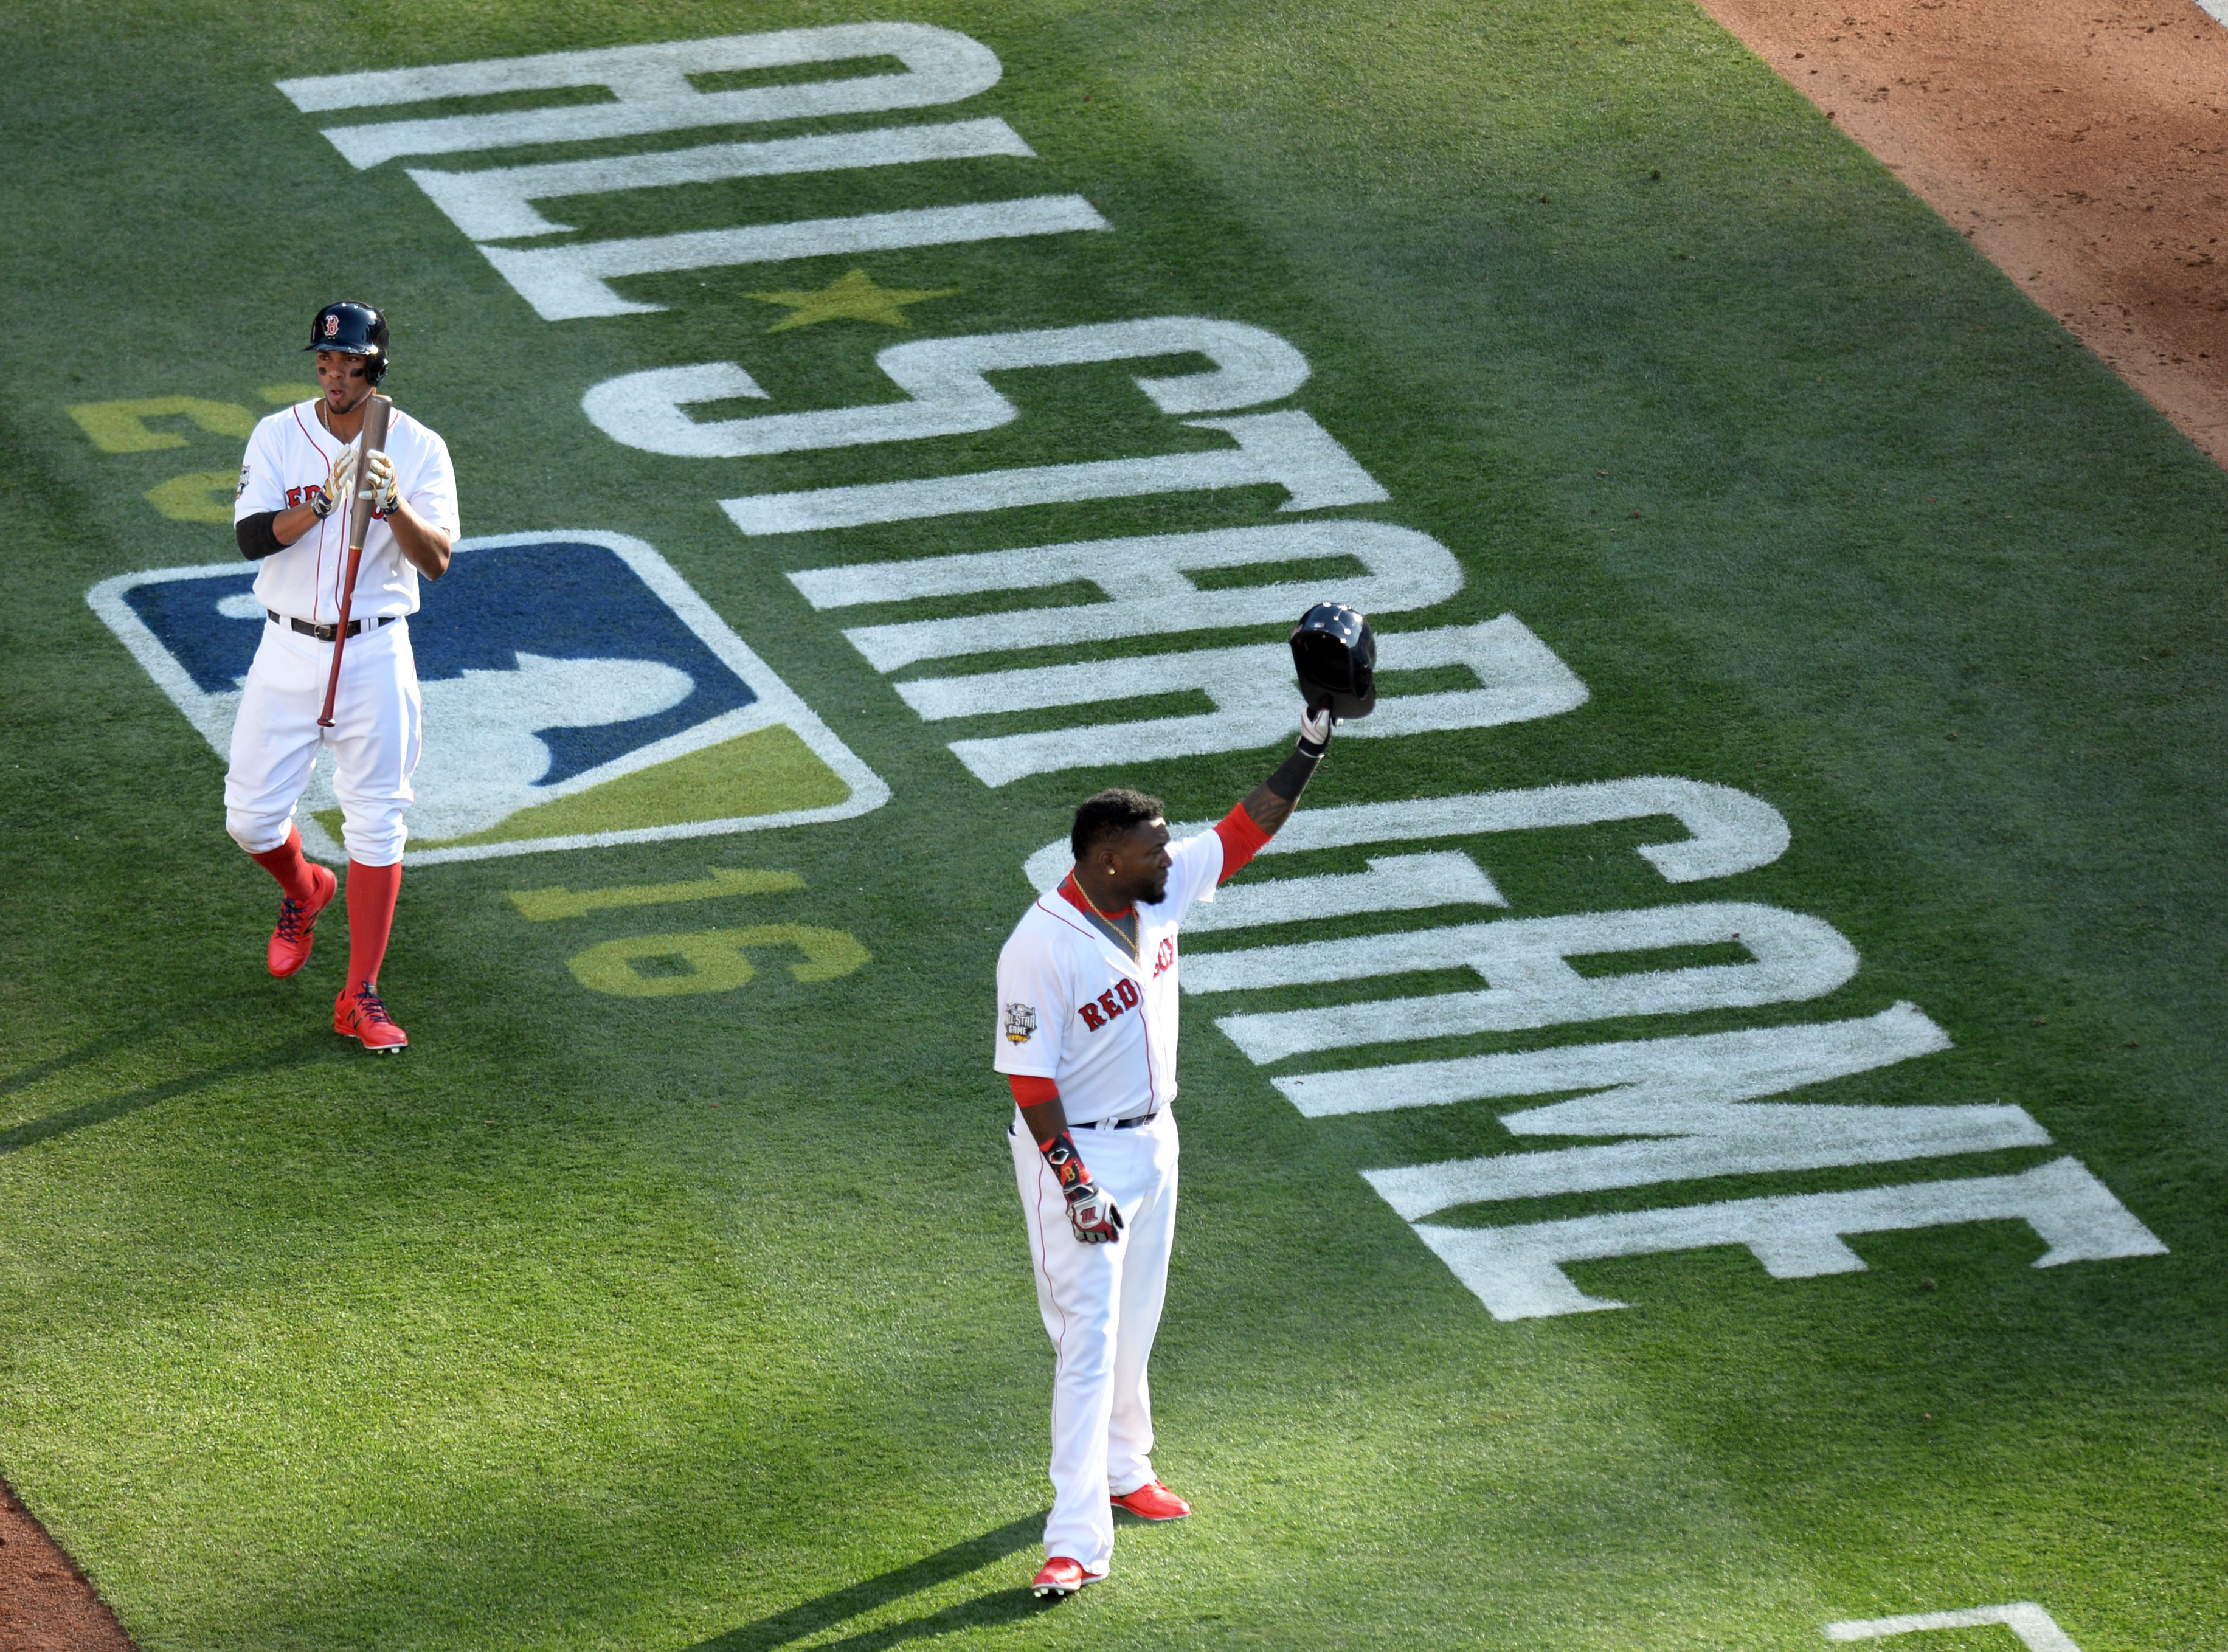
point(2082, 148)
point(45, 1605)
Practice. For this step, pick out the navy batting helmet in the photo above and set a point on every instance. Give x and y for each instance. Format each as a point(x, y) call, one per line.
point(352, 329)
point(1335, 658)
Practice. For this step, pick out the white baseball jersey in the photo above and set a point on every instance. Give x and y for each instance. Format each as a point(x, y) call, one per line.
point(1077, 1006)
point(291, 453)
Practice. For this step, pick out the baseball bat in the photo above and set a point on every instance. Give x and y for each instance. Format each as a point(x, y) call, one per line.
point(376, 407)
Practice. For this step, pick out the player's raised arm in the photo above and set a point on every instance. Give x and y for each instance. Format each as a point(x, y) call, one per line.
point(1335, 658)
point(1270, 805)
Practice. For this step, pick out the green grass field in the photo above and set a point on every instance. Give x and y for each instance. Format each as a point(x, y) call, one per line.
point(702, 1320)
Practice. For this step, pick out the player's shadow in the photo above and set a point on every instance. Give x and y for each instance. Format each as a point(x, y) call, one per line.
point(998, 1606)
point(84, 1054)
point(32, 1131)
point(167, 1024)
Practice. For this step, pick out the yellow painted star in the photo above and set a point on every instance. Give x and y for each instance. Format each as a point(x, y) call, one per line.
point(855, 298)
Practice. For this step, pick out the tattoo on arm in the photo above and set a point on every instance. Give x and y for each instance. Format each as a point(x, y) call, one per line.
point(1269, 810)
point(1045, 1119)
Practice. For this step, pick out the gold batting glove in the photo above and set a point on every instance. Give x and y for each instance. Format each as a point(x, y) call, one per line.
point(325, 501)
point(379, 475)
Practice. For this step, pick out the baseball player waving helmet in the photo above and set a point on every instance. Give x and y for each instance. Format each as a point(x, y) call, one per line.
point(1086, 1037)
point(303, 466)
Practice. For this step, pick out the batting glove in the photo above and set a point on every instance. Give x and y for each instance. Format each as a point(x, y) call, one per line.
point(1315, 724)
point(1093, 1214)
point(379, 471)
point(322, 502)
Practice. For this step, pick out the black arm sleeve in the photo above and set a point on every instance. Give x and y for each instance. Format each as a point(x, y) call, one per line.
point(257, 541)
point(1293, 774)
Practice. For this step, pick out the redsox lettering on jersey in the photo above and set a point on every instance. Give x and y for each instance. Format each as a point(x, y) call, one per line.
point(1123, 994)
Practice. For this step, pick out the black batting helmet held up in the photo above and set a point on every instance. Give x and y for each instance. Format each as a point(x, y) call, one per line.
point(1336, 657)
point(352, 329)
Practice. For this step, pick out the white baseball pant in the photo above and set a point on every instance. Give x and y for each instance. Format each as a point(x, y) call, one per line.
point(375, 739)
point(1101, 1306)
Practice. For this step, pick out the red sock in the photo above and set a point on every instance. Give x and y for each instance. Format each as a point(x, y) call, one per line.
point(371, 891)
point(286, 863)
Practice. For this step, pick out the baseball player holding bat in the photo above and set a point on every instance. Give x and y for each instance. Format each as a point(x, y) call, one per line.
point(306, 467)
point(1086, 1038)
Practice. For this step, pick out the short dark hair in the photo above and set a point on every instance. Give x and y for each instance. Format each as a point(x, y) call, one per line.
point(1109, 814)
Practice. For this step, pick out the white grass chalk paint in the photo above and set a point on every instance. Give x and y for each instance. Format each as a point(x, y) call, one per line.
point(2037, 1630)
point(1145, 581)
point(1701, 1140)
point(1517, 1272)
point(1394, 883)
point(1287, 450)
point(568, 282)
point(650, 88)
point(496, 203)
point(1520, 679)
point(1730, 830)
point(1638, 1076)
point(948, 394)
point(488, 759)
point(1792, 956)
point(1691, 1094)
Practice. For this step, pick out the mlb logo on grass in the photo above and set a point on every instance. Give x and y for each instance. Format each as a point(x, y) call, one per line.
point(578, 693)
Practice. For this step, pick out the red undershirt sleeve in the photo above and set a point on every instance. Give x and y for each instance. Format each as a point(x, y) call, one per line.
point(1242, 838)
point(1030, 1091)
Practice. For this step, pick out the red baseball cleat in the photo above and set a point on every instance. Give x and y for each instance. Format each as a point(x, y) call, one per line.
point(298, 923)
point(1061, 1578)
point(358, 1014)
point(1153, 1501)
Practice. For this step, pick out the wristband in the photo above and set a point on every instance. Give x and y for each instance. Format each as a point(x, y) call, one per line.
point(1066, 1164)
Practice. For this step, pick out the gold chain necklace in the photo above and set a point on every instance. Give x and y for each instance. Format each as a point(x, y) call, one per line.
point(1131, 940)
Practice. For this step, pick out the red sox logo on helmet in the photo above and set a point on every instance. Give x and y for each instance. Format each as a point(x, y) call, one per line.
point(332, 325)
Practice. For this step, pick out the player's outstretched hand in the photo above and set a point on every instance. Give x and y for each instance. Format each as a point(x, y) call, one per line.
point(379, 470)
point(1093, 1214)
point(1315, 724)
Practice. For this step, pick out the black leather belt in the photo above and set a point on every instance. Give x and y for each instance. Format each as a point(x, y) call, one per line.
point(1106, 1124)
point(326, 633)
